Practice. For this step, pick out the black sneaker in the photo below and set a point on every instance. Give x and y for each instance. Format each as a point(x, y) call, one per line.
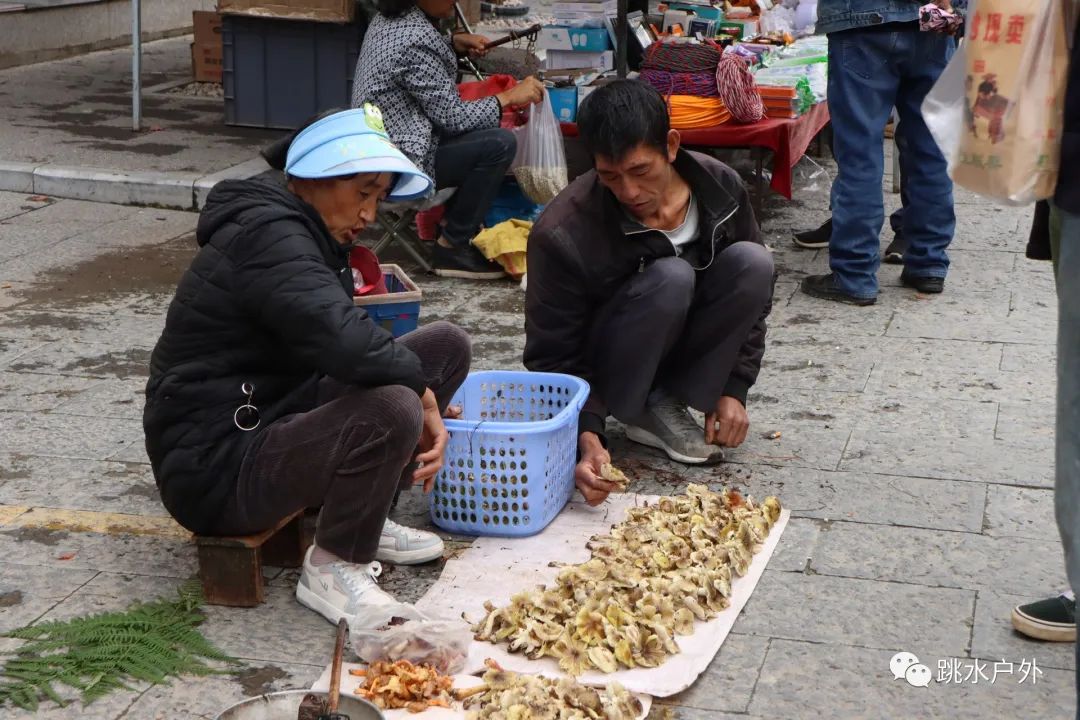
point(1053, 619)
point(815, 239)
point(466, 263)
point(824, 287)
point(925, 285)
point(894, 254)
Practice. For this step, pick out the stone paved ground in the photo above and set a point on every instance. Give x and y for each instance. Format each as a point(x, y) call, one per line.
point(915, 453)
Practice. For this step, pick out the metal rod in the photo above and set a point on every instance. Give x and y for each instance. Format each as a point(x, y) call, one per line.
point(136, 65)
point(460, 16)
point(516, 35)
point(622, 37)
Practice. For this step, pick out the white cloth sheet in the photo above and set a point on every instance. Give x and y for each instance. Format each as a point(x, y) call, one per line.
point(496, 568)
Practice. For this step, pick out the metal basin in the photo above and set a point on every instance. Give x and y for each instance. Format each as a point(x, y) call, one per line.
point(284, 705)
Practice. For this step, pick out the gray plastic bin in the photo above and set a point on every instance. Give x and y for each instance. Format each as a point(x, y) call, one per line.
point(278, 73)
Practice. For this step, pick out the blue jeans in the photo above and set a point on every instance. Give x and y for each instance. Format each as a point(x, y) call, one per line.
point(1067, 442)
point(870, 72)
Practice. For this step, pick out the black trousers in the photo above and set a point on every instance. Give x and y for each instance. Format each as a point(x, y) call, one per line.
point(475, 163)
point(673, 327)
point(349, 455)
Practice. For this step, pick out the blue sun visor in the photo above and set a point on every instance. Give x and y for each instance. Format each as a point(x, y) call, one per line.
point(350, 142)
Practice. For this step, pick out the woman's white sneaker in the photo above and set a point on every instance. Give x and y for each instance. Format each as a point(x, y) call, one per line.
point(400, 545)
point(340, 589)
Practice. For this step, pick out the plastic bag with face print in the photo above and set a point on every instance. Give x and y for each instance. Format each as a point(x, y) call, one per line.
point(997, 111)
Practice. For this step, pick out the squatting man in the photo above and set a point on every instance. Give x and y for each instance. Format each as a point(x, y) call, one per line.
point(649, 279)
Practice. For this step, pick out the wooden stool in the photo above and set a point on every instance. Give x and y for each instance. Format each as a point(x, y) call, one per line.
point(230, 568)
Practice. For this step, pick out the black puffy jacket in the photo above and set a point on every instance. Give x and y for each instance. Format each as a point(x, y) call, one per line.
point(267, 301)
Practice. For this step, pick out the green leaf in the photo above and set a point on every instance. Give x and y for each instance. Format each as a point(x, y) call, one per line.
point(99, 654)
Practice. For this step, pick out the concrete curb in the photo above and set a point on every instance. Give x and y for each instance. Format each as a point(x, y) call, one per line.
point(177, 190)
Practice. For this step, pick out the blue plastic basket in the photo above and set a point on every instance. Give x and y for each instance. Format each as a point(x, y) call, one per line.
point(510, 458)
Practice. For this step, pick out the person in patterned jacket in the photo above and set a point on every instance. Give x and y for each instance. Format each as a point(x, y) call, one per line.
point(408, 69)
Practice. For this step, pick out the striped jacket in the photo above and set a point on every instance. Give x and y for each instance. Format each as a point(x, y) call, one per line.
point(408, 68)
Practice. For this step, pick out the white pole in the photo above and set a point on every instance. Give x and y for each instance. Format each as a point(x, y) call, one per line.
point(136, 65)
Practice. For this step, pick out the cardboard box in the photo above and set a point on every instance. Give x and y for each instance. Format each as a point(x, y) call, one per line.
point(592, 40)
point(206, 51)
point(336, 11)
point(573, 60)
point(739, 29)
point(564, 102)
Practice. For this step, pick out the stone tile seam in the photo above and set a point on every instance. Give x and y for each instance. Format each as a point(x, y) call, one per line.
point(830, 522)
point(951, 478)
point(138, 697)
point(830, 643)
point(906, 583)
point(125, 573)
point(827, 643)
point(65, 598)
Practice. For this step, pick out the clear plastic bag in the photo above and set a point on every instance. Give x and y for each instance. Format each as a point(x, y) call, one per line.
point(443, 644)
point(540, 163)
point(997, 111)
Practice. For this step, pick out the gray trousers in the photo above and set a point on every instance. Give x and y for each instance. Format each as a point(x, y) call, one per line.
point(349, 455)
point(673, 327)
point(1067, 443)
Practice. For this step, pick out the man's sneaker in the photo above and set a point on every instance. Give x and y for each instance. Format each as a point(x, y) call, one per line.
point(925, 285)
point(824, 287)
point(894, 253)
point(1053, 619)
point(815, 239)
point(466, 263)
point(667, 425)
point(340, 589)
point(400, 545)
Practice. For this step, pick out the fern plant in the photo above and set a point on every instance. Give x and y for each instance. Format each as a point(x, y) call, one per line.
point(98, 654)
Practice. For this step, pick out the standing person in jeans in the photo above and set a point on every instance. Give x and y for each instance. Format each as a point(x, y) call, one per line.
point(271, 392)
point(818, 238)
point(879, 59)
point(409, 70)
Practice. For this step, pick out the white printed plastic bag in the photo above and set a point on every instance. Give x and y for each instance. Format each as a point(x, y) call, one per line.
point(997, 110)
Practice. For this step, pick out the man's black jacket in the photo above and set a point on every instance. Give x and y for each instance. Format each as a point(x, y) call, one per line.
point(583, 248)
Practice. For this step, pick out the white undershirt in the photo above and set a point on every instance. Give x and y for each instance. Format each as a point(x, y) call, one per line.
point(688, 231)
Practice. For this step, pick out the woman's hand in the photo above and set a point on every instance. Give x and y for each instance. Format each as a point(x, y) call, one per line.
point(472, 45)
point(529, 91)
point(587, 473)
point(433, 439)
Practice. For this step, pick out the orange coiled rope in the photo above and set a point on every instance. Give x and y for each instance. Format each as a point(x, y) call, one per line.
point(689, 112)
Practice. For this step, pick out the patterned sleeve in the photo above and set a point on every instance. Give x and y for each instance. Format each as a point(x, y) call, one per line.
point(420, 73)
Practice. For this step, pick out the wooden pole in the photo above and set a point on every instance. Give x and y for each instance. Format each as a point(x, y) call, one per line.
point(622, 37)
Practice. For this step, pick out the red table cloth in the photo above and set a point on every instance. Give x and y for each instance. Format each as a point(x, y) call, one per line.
point(788, 140)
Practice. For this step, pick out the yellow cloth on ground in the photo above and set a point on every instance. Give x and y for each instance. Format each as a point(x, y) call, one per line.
point(505, 244)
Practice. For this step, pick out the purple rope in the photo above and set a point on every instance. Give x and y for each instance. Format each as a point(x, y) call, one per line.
point(701, 84)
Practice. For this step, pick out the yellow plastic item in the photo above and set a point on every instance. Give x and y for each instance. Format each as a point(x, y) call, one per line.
point(505, 244)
